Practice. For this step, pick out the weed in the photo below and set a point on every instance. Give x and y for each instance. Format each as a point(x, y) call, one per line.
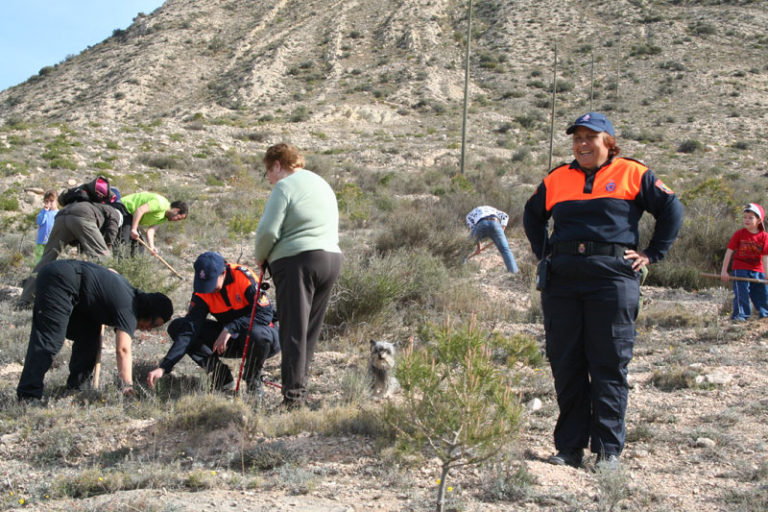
point(674, 378)
point(203, 413)
point(613, 486)
point(505, 482)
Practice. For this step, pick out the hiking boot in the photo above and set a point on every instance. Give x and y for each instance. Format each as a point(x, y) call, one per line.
point(573, 458)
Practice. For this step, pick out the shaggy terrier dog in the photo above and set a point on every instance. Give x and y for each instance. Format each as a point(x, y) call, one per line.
point(382, 367)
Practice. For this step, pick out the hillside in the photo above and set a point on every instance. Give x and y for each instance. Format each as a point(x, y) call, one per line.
point(185, 101)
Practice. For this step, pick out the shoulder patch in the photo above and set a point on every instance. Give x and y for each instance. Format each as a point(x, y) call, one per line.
point(661, 186)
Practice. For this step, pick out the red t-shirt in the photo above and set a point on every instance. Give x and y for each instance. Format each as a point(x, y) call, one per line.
point(748, 249)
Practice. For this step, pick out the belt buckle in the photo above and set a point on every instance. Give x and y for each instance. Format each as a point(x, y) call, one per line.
point(582, 248)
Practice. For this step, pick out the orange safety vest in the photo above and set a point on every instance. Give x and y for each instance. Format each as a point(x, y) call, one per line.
point(232, 297)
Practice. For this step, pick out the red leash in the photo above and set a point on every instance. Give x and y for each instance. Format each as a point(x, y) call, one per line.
point(250, 325)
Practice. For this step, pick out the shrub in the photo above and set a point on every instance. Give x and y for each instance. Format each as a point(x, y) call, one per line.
point(159, 161)
point(374, 286)
point(142, 272)
point(425, 228)
point(299, 114)
point(690, 146)
point(9, 204)
point(457, 404)
point(530, 120)
point(674, 378)
point(203, 413)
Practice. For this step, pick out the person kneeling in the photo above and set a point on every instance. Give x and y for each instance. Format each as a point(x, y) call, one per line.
point(227, 292)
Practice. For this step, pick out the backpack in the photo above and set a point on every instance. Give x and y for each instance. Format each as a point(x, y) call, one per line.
point(96, 191)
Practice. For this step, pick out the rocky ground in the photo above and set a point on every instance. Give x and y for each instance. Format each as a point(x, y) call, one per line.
point(693, 444)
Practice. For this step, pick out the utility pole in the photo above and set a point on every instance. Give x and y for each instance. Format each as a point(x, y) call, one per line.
point(592, 82)
point(466, 92)
point(552, 115)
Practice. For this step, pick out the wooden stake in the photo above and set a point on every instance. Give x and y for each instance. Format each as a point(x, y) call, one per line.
point(734, 278)
point(142, 242)
point(97, 366)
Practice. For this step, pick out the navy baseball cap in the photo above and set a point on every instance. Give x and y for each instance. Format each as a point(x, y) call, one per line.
point(594, 121)
point(208, 268)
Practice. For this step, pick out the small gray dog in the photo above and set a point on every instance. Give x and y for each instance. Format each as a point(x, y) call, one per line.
point(382, 367)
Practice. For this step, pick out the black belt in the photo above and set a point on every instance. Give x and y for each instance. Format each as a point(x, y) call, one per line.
point(577, 248)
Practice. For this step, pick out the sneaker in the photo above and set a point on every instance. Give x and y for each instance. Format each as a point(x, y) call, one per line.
point(256, 388)
point(608, 462)
point(567, 458)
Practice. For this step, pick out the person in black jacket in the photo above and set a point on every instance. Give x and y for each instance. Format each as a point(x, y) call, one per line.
point(227, 292)
point(74, 299)
point(93, 227)
point(591, 299)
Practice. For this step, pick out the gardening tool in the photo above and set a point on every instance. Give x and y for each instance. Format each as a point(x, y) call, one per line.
point(250, 325)
point(142, 242)
point(734, 278)
point(268, 382)
point(476, 252)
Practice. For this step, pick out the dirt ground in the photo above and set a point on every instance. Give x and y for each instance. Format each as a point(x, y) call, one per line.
point(701, 446)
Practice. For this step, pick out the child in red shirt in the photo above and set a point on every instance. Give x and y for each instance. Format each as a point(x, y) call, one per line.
point(749, 249)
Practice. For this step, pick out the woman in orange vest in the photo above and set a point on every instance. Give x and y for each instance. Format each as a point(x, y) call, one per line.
point(590, 301)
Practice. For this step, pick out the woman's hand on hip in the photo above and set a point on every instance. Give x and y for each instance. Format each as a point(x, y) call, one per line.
point(640, 260)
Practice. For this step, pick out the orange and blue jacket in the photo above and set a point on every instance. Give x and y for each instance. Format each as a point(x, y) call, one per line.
point(605, 206)
point(231, 307)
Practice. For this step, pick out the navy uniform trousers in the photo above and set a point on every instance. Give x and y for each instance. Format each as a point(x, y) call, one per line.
point(56, 317)
point(590, 305)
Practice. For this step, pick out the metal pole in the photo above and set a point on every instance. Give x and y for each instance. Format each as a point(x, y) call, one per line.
point(618, 67)
point(552, 115)
point(592, 82)
point(466, 92)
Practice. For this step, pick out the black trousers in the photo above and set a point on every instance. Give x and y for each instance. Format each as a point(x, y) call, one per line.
point(125, 245)
point(263, 344)
point(590, 306)
point(303, 288)
point(56, 316)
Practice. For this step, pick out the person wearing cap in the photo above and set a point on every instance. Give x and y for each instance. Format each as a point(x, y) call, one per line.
point(590, 300)
point(748, 248)
point(488, 222)
point(73, 300)
point(298, 237)
point(149, 210)
point(227, 292)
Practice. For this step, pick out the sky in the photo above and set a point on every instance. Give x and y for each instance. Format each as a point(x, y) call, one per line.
point(39, 33)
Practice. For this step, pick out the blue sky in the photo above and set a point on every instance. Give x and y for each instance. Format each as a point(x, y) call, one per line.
point(39, 33)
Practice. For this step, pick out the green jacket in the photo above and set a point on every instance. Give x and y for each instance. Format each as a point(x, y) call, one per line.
point(301, 215)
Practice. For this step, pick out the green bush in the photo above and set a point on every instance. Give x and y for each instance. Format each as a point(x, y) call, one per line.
point(384, 286)
point(690, 146)
point(430, 228)
point(710, 218)
point(144, 272)
point(9, 204)
point(161, 161)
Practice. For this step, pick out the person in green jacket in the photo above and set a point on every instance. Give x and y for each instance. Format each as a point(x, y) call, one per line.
point(298, 237)
point(149, 210)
